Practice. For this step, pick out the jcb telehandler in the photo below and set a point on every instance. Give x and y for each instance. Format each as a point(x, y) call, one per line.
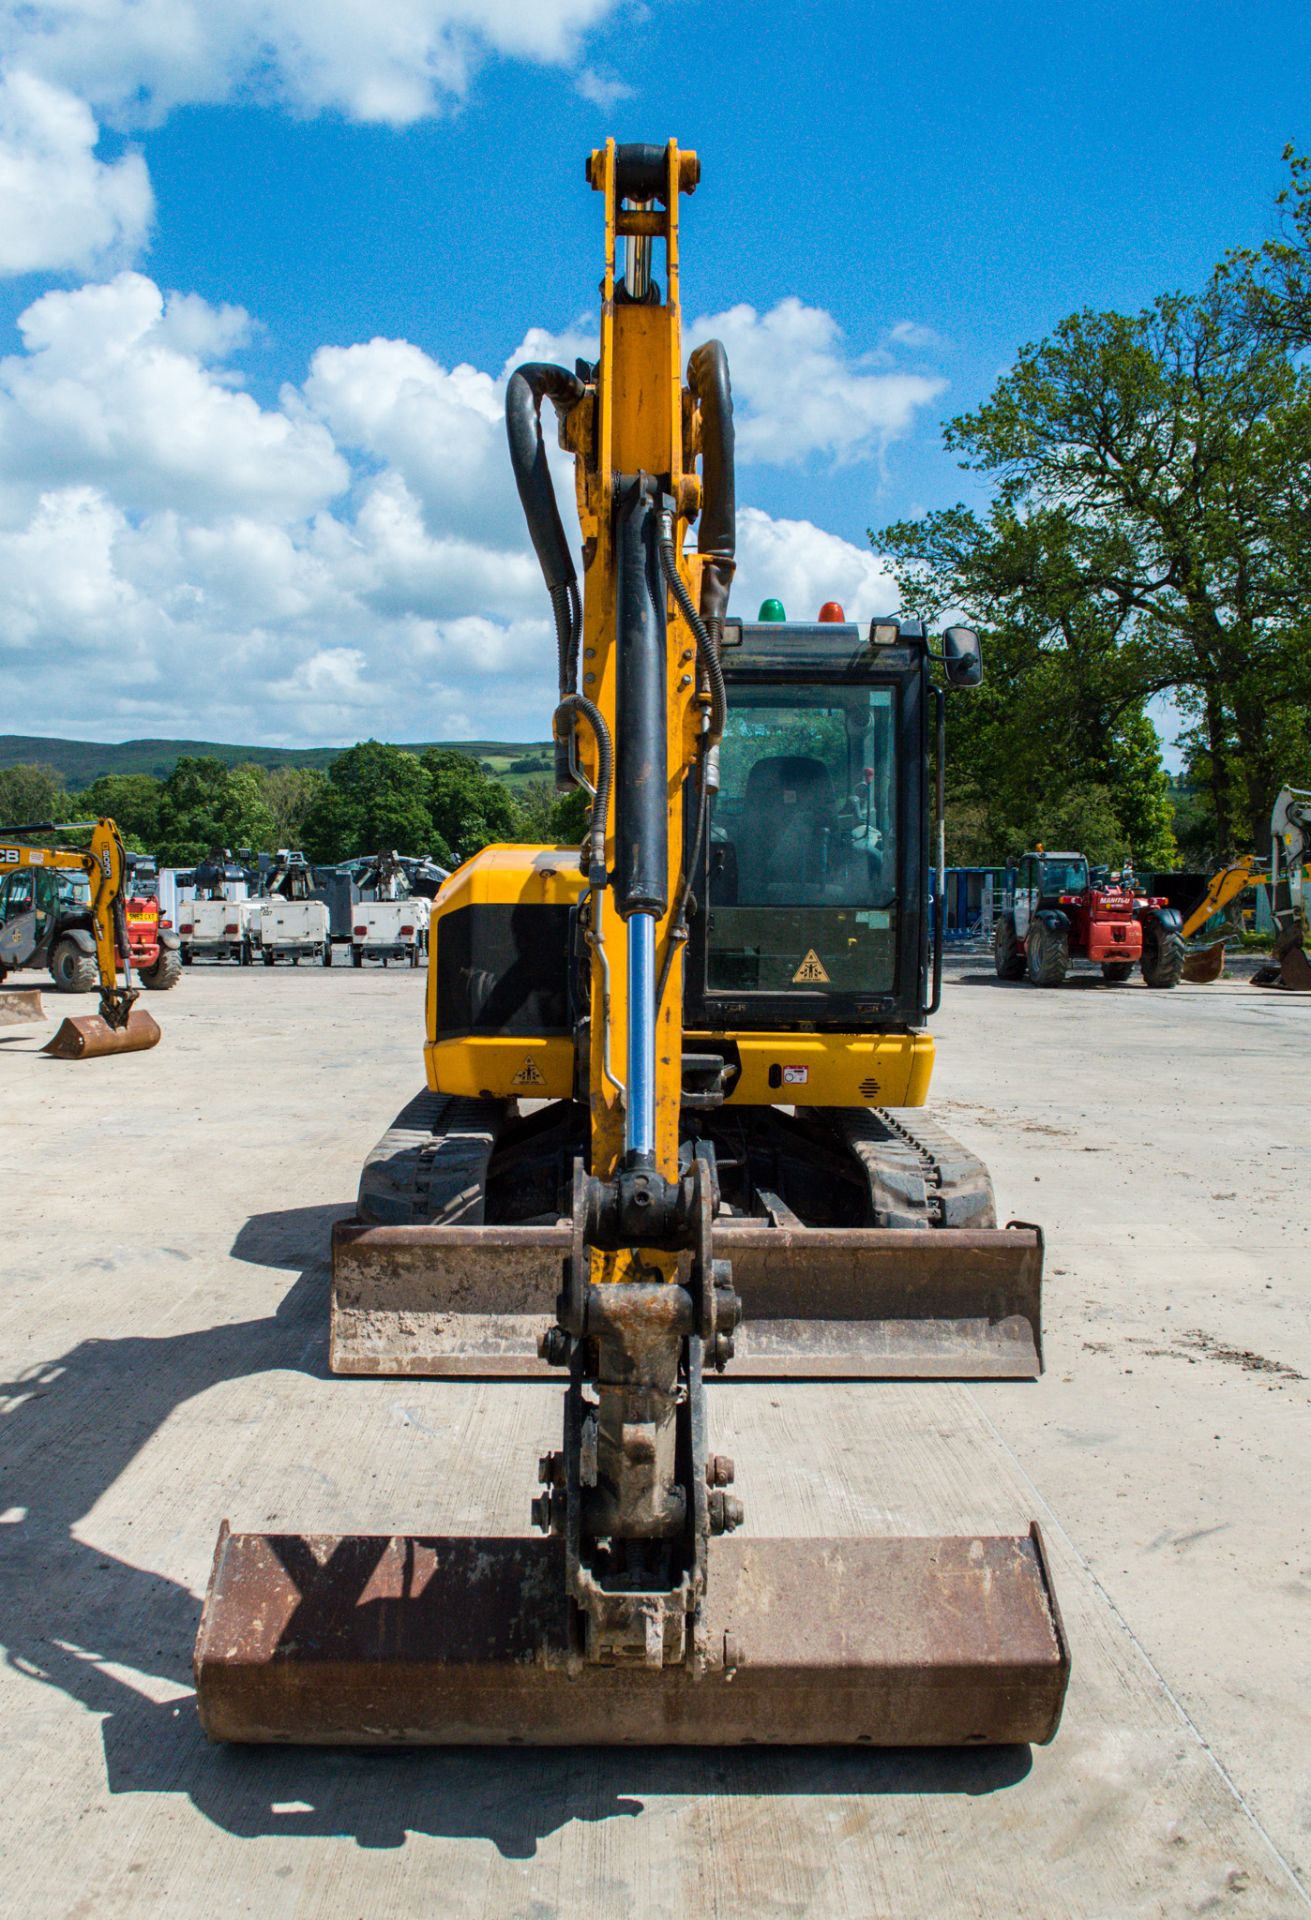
point(670, 1129)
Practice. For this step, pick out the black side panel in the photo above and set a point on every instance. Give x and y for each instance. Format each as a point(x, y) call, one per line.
point(503, 969)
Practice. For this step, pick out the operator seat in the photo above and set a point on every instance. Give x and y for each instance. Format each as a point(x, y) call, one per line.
point(781, 849)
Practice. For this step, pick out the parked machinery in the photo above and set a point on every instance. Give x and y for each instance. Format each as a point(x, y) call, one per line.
point(714, 1015)
point(1058, 914)
point(220, 923)
point(389, 922)
point(67, 909)
point(293, 925)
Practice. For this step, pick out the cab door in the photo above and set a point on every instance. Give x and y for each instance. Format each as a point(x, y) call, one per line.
point(1026, 895)
point(18, 935)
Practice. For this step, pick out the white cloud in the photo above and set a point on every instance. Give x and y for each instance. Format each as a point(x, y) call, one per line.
point(603, 90)
point(176, 559)
point(395, 62)
point(803, 566)
point(796, 393)
point(60, 207)
point(116, 389)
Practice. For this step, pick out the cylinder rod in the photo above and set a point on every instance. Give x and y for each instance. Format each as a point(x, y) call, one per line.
point(639, 1114)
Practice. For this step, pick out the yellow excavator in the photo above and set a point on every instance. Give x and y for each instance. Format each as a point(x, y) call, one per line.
point(1290, 851)
point(671, 1131)
point(44, 917)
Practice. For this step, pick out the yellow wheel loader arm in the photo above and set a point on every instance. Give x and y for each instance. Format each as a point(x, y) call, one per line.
point(669, 1148)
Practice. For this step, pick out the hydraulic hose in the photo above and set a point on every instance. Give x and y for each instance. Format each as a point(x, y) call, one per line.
point(707, 376)
point(529, 385)
point(707, 652)
point(577, 703)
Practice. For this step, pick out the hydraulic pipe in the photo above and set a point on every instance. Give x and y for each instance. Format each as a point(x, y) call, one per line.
point(641, 812)
point(940, 903)
point(639, 1114)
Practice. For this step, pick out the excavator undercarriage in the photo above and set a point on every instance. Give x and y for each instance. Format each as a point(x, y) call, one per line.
point(671, 1134)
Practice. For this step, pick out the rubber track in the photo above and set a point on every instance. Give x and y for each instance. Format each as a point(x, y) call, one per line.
point(430, 1167)
point(919, 1176)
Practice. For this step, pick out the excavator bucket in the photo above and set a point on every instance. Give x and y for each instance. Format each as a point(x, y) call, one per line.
point(819, 1303)
point(1295, 969)
point(370, 1640)
point(19, 1006)
point(87, 1036)
point(1205, 964)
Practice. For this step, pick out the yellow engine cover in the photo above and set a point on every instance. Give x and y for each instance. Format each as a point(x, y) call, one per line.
point(500, 1025)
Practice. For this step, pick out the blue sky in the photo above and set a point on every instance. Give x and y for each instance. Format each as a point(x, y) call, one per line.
point(229, 514)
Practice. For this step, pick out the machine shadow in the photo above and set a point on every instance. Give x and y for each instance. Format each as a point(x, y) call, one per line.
point(1088, 982)
point(513, 1798)
point(117, 1638)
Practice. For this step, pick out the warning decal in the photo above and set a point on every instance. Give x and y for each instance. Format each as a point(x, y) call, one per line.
point(811, 972)
point(529, 1075)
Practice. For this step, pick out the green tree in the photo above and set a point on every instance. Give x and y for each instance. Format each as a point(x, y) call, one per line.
point(470, 809)
point(376, 798)
point(204, 804)
point(548, 818)
point(130, 799)
point(1148, 533)
point(29, 793)
point(291, 795)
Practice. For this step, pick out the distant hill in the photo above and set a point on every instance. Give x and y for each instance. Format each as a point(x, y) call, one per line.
point(82, 761)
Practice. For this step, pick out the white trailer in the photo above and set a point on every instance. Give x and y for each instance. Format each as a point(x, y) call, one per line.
point(294, 930)
point(218, 930)
point(389, 930)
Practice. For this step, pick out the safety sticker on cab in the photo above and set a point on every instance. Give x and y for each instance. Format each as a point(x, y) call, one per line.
point(529, 1075)
point(795, 1076)
point(811, 972)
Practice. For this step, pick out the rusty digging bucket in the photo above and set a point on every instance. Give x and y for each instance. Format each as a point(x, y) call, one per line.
point(87, 1036)
point(411, 1641)
point(1205, 964)
point(20, 1006)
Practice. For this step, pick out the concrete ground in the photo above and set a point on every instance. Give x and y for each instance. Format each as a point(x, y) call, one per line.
point(163, 1338)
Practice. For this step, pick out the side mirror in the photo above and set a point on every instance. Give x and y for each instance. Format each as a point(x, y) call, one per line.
point(962, 657)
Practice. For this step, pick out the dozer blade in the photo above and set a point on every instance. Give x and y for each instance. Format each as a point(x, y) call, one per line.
point(370, 1640)
point(20, 1006)
point(1205, 964)
point(87, 1036)
point(818, 1302)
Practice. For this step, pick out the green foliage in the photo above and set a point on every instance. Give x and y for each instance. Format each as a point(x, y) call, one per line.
point(546, 818)
point(1146, 536)
point(469, 808)
point(204, 804)
point(132, 800)
point(377, 797)
point(291, 794)
point(29, 793)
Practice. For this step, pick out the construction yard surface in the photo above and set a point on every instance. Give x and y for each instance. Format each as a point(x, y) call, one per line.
point(163, 1321)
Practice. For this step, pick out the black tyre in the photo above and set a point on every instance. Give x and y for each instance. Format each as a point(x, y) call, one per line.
point(1047, 954)
point(414, 956)
point(186, 956)
point(357, 956)
point(244, 954)
point(268, 959)
point(1116, 969)
point(1006, 955)
point(1163, 955)
point(165, 973)
point(327, 953)
point(72, 970)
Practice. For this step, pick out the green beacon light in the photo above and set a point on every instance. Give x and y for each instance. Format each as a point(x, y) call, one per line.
point(771, 610)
